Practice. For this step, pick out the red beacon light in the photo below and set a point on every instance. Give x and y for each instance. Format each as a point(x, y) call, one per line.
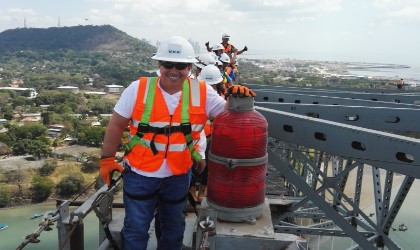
point(238, 162)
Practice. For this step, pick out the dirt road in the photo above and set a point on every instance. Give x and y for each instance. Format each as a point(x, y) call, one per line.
point(27, 162)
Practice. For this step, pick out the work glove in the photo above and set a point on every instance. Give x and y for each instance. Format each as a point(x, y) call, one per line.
point(207, 44)
point(239, 91)
point(107, 167)
point(245, 48)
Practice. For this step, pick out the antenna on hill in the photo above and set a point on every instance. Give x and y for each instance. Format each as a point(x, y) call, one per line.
point(59, 25)
point(24, 22)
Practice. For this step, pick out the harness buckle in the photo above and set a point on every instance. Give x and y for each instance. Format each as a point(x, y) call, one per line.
point(167, 130)
point(143, 128)
point(186, 128)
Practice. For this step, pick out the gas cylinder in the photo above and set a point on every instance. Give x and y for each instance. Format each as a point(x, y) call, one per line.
point(237, 163)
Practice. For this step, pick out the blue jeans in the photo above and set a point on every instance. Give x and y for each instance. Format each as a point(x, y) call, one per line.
point(146, 194)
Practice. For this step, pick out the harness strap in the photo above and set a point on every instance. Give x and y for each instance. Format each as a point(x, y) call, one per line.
point(105, 227)
point(140, 197)
point(150, 97)
point(144, 126)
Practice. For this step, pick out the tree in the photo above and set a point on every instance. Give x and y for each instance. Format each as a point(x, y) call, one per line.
point(4, 97)
point(7, 112)
point(29, 131)
point(41, 188)
point(91, 165)
point(39, 149)
point(5, 197)
point(16, 177)
point(7, 139)
point(70, 185)
point(91, 136)
point(102, 106)
point(47, 168)
point(36, 148)
point(21, 147)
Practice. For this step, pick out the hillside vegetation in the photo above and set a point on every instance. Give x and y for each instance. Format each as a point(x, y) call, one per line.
point(76, 56)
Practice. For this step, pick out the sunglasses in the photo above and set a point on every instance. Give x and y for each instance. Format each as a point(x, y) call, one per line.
point(170, 65)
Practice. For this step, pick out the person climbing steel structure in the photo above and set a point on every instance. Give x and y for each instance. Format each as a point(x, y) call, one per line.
point(165, 116)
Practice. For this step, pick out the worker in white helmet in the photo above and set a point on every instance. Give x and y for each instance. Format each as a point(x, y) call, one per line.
point(202, 61)
point(226, 70)
point(217, 50)
point(211, 75)
point(229, 49)
point(165, 117)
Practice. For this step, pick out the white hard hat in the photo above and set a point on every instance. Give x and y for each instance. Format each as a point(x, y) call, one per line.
point(217, 46)
point(225, 35)
point(224, 58)
point(205, 59)
point(210, 74)
point(175, 49)
point(199, 65)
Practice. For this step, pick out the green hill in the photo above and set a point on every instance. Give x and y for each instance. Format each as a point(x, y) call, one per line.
point(45, 58)
point(91, 38)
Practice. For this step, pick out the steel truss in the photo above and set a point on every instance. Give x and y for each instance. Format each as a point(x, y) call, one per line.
point(326, 164)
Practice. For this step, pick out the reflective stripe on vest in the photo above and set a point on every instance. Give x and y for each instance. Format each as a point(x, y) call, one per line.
point(172, 147)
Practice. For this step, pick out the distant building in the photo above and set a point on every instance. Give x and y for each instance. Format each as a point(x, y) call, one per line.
point(94, 93)
point(80, 116)
point(54, 130)
point(30, 117)
point(105, 115)
point(56, 127)
point(113, 88)
point(32, 93)
point(95, 124)
point(69, 89)
point(3, 121)
point(44, 106)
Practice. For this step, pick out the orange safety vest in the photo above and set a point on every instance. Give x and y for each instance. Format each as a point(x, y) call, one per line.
point(228, 49)
point(171, 146)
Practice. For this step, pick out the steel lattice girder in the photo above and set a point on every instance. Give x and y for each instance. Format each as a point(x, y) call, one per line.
point(396, 153)
point(301, 130)
point(378, 118)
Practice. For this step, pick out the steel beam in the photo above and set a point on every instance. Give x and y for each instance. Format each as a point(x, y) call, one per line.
point(378, 118)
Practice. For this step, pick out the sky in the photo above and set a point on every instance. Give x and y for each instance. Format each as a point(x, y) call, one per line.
point(377, 31)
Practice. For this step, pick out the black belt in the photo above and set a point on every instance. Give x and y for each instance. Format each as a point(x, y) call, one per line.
point(184, 128)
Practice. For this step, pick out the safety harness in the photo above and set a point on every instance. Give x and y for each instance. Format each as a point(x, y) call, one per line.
point(144, 126)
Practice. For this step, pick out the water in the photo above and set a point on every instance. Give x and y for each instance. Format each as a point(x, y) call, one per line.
point(409, 215)
point(20, 225)
point(412, 73)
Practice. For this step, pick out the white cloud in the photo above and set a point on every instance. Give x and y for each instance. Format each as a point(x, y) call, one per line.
point(322, 26)
point(402, 9)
